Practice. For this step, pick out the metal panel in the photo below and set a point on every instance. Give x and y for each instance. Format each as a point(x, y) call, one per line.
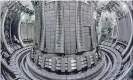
point(79, 65)
point(63, 65)
point(88, 61)
point(69, 65)
point(53, 64)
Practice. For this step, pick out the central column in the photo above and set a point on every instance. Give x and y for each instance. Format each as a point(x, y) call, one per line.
point(65, 37)
point(64, 27)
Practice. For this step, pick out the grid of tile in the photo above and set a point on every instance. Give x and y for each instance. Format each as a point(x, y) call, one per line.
point(50, 26)
point(67, 29)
